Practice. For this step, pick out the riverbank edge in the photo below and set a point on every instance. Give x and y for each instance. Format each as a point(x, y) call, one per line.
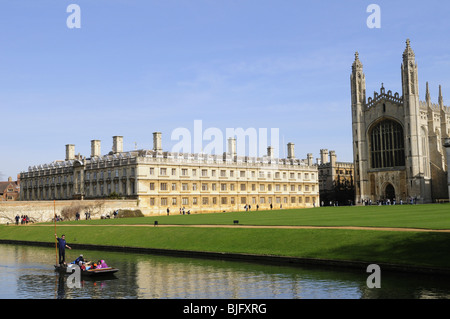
point(262, 259)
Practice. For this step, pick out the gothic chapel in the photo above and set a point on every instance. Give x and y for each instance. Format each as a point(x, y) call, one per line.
point(398, 140)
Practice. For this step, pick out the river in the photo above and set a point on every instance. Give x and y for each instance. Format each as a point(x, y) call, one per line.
point(27, 272)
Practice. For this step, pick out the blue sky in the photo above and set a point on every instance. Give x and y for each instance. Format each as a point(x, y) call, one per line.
point(139, 66)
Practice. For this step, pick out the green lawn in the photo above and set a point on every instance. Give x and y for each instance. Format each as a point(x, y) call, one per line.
point(435, 216)
point(372, 246)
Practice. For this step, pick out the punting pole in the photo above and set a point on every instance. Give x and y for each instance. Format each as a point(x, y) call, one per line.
point(56, 241)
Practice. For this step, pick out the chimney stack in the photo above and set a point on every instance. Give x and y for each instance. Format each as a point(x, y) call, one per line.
point(324, 156)
point(232, 146)
point(157, 141)
point(95, 148)
point(310, 159)
point(270, 151)
point(333, 158)
point(117, 144)
point(291, 152)
point(70, 152)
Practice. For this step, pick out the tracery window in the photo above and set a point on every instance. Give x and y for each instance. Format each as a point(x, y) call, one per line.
point(387, 147)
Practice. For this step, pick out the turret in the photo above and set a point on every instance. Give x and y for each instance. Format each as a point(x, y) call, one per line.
point(358, 97)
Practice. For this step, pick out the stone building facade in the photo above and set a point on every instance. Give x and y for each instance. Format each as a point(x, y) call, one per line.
point(336, 180)
point(159, 179)
point(398, 139)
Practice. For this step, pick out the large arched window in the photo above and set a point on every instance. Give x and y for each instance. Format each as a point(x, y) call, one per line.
point(387, 147)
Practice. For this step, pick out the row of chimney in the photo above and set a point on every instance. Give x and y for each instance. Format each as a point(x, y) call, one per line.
point(117, 147)
point(157, 146)
point(270, 150)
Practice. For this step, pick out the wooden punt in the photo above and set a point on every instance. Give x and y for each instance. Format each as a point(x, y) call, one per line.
point(90, 272)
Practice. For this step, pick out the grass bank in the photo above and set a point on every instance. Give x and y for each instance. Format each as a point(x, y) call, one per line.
point(425, 249)
point(434, 216)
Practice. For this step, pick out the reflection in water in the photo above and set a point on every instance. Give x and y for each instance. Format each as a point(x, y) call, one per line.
point(27, 272)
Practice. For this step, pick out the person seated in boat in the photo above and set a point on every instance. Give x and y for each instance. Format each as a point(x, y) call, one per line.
point(102, 264)
point(77, 261)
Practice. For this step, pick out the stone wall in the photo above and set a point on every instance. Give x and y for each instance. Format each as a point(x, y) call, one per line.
point(43, 211)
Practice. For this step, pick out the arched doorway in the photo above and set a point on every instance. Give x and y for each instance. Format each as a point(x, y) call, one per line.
point(390, 192)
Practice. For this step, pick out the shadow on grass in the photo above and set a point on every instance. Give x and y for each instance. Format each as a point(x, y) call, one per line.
point(412, 249)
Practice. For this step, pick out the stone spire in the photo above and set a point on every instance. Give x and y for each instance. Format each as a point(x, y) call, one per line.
point(441, 99)
point(427, 95)
point(410, 82)
point(357, 65)
point(408, 53)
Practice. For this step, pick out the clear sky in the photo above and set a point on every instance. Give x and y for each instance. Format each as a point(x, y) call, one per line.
point(139, 66)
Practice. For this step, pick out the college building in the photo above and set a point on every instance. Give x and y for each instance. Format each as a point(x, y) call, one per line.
point(398, 140)
point(10, 190)
point(336, 180)
point(161, 180)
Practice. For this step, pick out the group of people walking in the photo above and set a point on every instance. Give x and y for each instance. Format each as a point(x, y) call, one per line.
point(24, 219)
